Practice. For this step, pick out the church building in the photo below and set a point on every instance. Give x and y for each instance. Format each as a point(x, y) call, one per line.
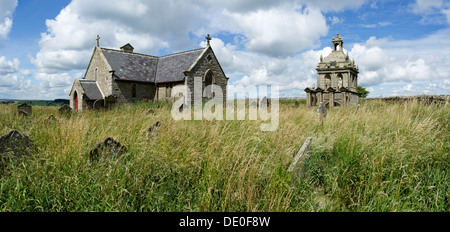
point(123, 76)
point(337, 79)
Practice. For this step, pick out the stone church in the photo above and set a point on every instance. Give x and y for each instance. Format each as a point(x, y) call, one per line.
point(337, 79)
point(123, 76)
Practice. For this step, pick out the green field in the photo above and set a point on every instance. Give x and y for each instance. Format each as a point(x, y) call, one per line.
point(386, 157)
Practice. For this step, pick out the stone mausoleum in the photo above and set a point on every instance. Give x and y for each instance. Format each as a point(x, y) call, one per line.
point(337, 79)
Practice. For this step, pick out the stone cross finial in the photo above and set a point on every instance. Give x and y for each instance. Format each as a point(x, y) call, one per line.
point(208, 38)
point(98, 41)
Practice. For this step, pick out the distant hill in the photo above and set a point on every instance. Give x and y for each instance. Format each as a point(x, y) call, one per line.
point(56, 102)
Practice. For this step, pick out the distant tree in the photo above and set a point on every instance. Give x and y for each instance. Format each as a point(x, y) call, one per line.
point(362, 92)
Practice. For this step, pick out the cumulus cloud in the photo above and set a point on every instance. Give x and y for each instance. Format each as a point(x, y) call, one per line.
point(7, 7)
point(8, 66)
point(421, 64)
point(279, 31)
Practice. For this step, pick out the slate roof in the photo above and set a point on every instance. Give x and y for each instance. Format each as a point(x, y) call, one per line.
point(171, 67)
point(131, 66)
point(91, 89)
point(143, 68)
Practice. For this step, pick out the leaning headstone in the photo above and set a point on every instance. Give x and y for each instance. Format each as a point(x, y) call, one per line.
point(322, 110)
point(65, 110)
point(24, 109)
point(153, 128)
point(14, 145)
point(108, 149)
point(296, 166)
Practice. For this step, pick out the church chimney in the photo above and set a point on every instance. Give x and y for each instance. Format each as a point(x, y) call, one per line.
point(127, 48)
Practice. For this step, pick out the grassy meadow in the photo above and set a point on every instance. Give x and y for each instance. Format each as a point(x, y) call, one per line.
point(386, 157)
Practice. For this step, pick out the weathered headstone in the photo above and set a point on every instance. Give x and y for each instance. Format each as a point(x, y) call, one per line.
point(24, 109)
point(359, 108)
point(14, 145)
point(322, 111)
point(153, 128)
point(254, 104)
point(50, 119)
point(64, 110)
point(108, 149)
point(305, 149)
point(264, 103)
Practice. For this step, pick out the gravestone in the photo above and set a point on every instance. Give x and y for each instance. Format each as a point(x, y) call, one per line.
point(64, 110)
point(14, 145)
point(153, 128)
point(253, 104)
point(297, 164)
point(50, 119)
point(264, 103)
point(108, 149)
point(322, 111)
point(24, 109)
point(359, 108)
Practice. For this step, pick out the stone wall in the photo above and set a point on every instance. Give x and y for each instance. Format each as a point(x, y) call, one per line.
point(124, 91)
point(427, 99)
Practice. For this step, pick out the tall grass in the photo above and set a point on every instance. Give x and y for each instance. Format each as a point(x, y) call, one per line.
point(386, 157)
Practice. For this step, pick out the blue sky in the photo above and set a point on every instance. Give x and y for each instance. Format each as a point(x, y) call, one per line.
point(401, 47)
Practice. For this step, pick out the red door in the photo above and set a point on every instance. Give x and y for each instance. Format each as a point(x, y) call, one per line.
point(76, 101)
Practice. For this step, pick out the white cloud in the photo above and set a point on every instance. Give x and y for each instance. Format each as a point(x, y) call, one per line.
point(332, 5)
point(447, 14)
point(335, 20)
point(432, 11)
point(426, 6)
point(7, 7)
point(421, 64)
point(13, 86)
point(279, 31)
point(8, 66)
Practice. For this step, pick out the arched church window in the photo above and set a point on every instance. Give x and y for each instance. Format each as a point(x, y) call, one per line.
point(208, 81)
